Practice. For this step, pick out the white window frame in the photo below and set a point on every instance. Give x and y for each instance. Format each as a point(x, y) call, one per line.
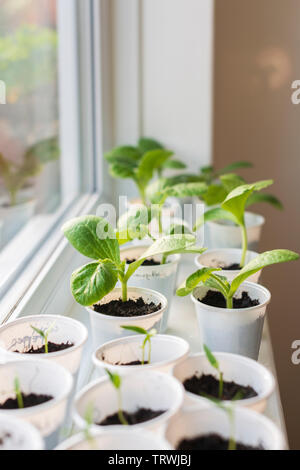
point(31, 272)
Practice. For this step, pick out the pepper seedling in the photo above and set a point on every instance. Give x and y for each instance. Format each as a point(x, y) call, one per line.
point(18, 393)
point(140, 163)
point(95, 238)
point(233, 209)
point(44, 335)
point(148, 336)
point(207, 277)
point(117, 383)
point(215, 364)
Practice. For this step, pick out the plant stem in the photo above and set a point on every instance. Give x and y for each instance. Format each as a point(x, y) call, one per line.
point(46, 346)
point(120, 412)
point(143, 355)
point(221, 386)
point(149, 352)
point(160, 227)
point(244, 244)
point(164, 259)
point(229, 302)
point(124, 291)
point(232, 442)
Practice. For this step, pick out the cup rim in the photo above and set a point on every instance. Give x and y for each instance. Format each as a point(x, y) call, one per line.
point(227, 250)
point(159, 267)
point(261, 221)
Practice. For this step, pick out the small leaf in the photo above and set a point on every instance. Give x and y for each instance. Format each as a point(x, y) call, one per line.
point(92, 282)
point(212, 359)
point(150, 162)
point(93, 237)
point(264, 197)
point(115, 379)
point(214, 195)
point(124, 152)
point(146, 145)
point(192, 281)
point(231, 181)
point(122, 170)
point(261, 261)
point(214, 214)
point(39, 332)
point(135, 329)
point(185, 190)
point(174, 165)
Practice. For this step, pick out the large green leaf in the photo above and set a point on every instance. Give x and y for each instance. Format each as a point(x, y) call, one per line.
point(126, 152)
point(214, 195)
point(150, 162)
point(236, 200)
point(93, 237)
point(193, 280)
point(264, 197)
point(92, 282)
point(175, 165)
point(146, 145)
point(185, 190)
point(231, 181)
point(123, 168)
point(261, 261)
point(135, 221)
point(214, 214)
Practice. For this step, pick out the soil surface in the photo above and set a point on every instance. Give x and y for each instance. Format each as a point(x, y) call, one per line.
point(139, 416)
point(29, 400)
point(207, 385)
point(147, 262)
point(4, 438)
point(52, 347)
point(211, 442)
point(131, 308)
point(134, 363)
point(233, 267)
point(216, 299)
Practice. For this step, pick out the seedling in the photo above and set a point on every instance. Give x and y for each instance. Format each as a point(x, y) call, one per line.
point(148, 336)
point(215, 364)
point(88, 417)
point(229, 410)
point(209, 174)
point(141, 162)
point(44, 335)
point(233, 209)
point(117, 383)
point(207, 277)
point(18, 393)
point(95, 238)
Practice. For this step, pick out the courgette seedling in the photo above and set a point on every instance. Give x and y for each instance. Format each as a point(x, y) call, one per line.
point(207, 277)
point(18, 393)
point(140, 163)
point(215, 364)
point(229, 410)
point(95, 238)
point(148, 336)
point(209, 174)
point(233, 209)
point(44, 335)
point(117, 383)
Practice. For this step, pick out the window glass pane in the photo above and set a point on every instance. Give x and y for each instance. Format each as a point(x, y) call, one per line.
point(29, 120)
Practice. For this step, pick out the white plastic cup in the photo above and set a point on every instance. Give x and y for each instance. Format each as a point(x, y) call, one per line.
point(154, 390)
point(19, 336)
point(224, 234)
point(116, 440)
point(236, 331)
point(238, 369)
point(40, 377)
point(106, 328)
point(160, 278)
point(251, 428)
point(225, 257)
point(16, 434)
point(14, 218)
point(166, 351)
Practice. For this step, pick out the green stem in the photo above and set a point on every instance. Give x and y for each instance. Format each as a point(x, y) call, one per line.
point(120, 411)
point(20, 400)
point(46, 346)
point(160, 227)
point(142, 194)
point(244, 244)
point(149, 353)
point(124, 291)
point(221, 386)
point(143, 355)
point(164, 259)
point(229, 302)
point(232, 442)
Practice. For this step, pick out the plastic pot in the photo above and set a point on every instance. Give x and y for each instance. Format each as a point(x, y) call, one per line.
point(226, 257)
point(40, 377)
point(238, 369)
point(152, 389)
point(106, 328)
point(161, 278)
point(251, 428)
point(236, 331)
point(16, 434)
point(166, 351)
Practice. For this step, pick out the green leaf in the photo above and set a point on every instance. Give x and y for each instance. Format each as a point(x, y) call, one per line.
point(261, 261)
point(193, 280)
point(123, 170)
point(115, 379)
point(212, 359)
point(236, 200)
point(135, 329)
point(39, 332)
point(150, 162)
point(92, 282)
point(175, 165)
point(234, 166)
point(185, 190)
point(93, 237)
point(125, 152)
point(146, 145)
point(176, 229)
point(264, 197)
point(214, 195)
point(231, 181)
point(155, 189)
point(214, 214)
point(219, 283)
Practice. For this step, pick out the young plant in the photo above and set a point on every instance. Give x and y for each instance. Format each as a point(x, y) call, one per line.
point(229, 410)
point(44, 335)
point(233, 209)
point(88, 417)
point(95, 238)
point(117, 383)
point(207, 277)
point(140, 163)
point(210, 175)
point(16, 176)
point(148, 336)
point(18, 393)
point(215, 364)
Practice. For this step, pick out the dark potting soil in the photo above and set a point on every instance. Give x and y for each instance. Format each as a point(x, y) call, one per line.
point(216, 299)
point(233, 267)
point(52, 347)
point(140, 416)
point(131, 308)
point(211, 442)
point(4, 438)
point(147, 262)
point(207, 385)
point(29, 400)
point(133, 363)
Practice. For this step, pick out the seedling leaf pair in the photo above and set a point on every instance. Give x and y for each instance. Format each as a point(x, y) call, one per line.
point(148, 336)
